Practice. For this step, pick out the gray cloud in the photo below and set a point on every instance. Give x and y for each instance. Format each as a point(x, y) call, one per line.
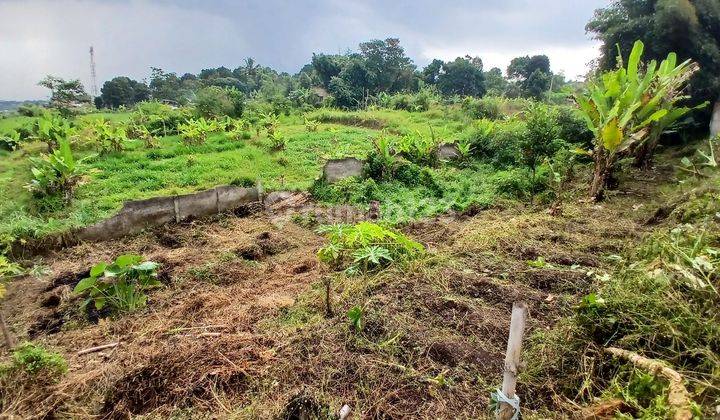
point(39, 37)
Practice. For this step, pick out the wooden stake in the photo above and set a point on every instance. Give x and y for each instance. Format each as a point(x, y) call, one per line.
point(512, 358)
point(9, 341)
point(98, 348)
point(328, 304)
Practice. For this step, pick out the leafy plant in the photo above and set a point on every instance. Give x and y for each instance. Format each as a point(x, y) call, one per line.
point(623, 107)
point(8, 270)
point(10, 141)
point(52, 129)
point(277, 140)
point(55, 173)
point(110, 138)
point(418, 148)
point(366, 247)
point(120, 285)
point(355, 314)
point(141, 132)
point(195, 131)
point(704, 162)
point(311, 125)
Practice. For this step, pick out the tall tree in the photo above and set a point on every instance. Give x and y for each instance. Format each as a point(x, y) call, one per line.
point(432, 71)
point(689, 27)
point(531, 74)
point(387, 64)
point(123, 91)
point(463, 76)
point(65, 94)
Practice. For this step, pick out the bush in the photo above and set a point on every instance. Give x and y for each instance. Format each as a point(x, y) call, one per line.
point(30, 110)
point(573, 128)
point(120, 285)
point(195, 131)
point(55, 173)
point(10, 141)
point(215, 102)
point(110, 137)
point(34, 359)
point(366, 247)
point(160, 119)
point(349, 190)
point(488, 107)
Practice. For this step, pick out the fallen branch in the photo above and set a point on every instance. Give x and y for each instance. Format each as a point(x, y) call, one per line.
point(678, 396)
point(98, 348)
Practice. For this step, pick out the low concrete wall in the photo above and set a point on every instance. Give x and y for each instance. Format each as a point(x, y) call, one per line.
point(337, 169)
point(138, 215)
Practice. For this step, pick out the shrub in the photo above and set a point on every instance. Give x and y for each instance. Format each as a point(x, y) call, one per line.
point(160, 119)
point(52, 129)
point(34, 359)
point(10, 141)
point(29, 110)
point(195, 131)
point(349, 190)
point(573, 128)
point(215, 102)
point(120, 285)
point(278, 141)
point(109, 137)
point(538, 139)
point(418, 148)
point(366, 247)
point(141, 132)
point(55, 173)
point(311, 125)
point(488, 107)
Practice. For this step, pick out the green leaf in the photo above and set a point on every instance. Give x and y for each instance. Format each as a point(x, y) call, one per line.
point(85, 284)
point(128, 260)
point(355, 315)
point(98, 269)
point(612, 135)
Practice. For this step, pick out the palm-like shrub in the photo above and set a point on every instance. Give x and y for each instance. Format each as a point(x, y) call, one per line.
point(52, 129)
point(628, 108)
point(55, 173)
point(109, 137)
point(196, 131)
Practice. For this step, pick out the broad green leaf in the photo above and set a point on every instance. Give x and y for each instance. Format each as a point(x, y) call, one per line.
point(612, 135)
point(85, 284)
point(98, 269)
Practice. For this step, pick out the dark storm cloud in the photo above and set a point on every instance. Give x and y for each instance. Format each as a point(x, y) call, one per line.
point(38, 37)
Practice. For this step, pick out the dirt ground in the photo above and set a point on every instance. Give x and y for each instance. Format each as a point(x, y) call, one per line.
point(239, 328)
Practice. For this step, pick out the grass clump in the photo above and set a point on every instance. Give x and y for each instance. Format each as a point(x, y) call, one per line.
point(35, 359)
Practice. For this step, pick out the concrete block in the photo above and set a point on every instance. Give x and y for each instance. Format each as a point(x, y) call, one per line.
point(337, 169)
point(448, 151)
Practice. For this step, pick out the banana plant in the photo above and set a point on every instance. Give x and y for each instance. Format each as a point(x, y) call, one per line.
point(622, 107)
point(195, 131)
point(55, 173)
point(52, 129)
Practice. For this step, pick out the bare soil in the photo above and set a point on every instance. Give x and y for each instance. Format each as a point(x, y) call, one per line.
point(239, 327)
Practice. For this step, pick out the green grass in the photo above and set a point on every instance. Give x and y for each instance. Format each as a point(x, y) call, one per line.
point(171, 168)
point(176, 168)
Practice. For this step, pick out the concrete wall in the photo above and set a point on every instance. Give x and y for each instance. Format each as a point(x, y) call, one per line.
point(138, 215)
point(337, 169)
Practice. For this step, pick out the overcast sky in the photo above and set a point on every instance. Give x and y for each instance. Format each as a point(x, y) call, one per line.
point(40, 37)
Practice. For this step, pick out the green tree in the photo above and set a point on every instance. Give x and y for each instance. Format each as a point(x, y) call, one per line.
point(215, 102)
point(389, 68)
point(432, 71)
point(123, 91)
point(464, 76)
point(66, 95)
point(531, 74)
point(689, 27)
point(495, 82)
point(167, 87)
